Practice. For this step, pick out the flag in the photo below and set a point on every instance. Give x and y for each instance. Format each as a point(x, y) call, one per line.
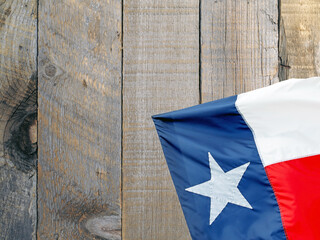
point(248, 166)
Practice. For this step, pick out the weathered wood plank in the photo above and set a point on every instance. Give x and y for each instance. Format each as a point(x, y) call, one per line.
point(161, 73)
point(283, 53)
point(18, 110)
point(301, 24)
point(239, 46)
point(79, 119)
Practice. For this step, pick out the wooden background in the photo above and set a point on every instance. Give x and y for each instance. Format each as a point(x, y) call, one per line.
point(79, 81)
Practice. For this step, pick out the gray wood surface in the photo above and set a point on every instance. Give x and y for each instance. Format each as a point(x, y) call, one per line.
point(302, 27)
point(239, 46)
point(18, 97)
point(161, 73)
point(284, 66)
point(79, 120)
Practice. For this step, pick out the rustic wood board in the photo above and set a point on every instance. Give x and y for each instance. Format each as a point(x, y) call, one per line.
point(302, 27)
point(239, 46)
point(18, 51)
point(161, 73)
point(79, 119)
point(283, 53)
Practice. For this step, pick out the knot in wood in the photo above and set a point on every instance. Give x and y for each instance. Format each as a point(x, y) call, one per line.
point(105, 227)
point(50, 70)
point(22, 144)
point(20, 135)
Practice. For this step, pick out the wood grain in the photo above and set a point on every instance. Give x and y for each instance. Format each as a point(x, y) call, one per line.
point(79, 119)
point(284, 66)
point(18, 108)
point(161, 73)
point(239, 46)
point(301, 23)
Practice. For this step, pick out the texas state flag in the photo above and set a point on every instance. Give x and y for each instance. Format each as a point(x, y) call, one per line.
point(248, 166)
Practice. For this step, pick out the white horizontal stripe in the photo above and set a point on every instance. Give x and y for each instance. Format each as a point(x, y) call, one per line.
point(284, 118)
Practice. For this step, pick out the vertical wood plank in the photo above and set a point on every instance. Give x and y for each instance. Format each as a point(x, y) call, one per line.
point(161, 73)
point(79, 119)
point(239, 46)
point(18, 107)
point(301, 24)
point(284, 66)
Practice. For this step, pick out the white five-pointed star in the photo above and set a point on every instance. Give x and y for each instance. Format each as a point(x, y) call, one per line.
point(222, 188)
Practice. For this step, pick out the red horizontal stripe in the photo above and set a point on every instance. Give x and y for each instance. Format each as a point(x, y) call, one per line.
point(297, 188)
